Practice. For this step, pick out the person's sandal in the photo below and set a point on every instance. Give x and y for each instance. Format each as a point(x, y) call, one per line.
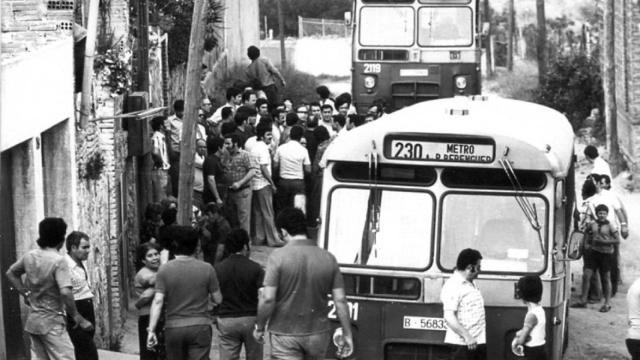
point(605, 308)
point(579, 305)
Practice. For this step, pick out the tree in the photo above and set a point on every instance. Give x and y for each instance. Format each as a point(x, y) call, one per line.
point(609, 87)
point(541, 47)
point(510, 31)
point(174, 17)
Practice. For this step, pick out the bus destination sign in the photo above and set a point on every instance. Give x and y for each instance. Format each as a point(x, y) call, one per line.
point(438, 150)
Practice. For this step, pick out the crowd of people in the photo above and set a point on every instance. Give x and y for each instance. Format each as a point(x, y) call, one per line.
point(256, 154)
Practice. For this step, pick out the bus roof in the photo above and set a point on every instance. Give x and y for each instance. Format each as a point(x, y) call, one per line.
point(521, 129)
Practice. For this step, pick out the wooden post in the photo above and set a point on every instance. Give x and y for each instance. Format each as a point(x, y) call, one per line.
point(192, 98)
point(87, 74)
point(608, 82)
point(283, 53)
point(510, 35)
point(323, 33)
point(488, 44)
point(300, 30)
point(542, 41)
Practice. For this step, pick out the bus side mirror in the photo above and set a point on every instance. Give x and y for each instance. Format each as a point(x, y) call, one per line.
point(575, 245)
point(347, 18)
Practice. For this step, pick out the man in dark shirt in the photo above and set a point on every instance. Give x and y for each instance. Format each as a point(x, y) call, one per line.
point(240, 279)
point(297, 282)
point(213, 174)
point(263, 75)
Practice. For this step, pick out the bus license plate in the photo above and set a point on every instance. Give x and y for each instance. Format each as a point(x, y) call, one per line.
point(424, 323)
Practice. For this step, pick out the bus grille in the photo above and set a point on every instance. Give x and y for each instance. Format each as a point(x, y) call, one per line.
point(416, 352)
point(407, 93)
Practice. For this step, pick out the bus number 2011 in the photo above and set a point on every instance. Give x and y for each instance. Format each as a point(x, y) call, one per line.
point(408, 150)
point(353, 310)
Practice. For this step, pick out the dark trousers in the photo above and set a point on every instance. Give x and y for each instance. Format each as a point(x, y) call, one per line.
point(158, 352)
point(188, 342)
point(633, 346)
point(82, 340)
point(287, 190)
point(174, 172)
point(535, 353)
point(272, 95)
point(460, 352)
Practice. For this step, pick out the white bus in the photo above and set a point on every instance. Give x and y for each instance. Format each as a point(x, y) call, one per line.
point(403, 195)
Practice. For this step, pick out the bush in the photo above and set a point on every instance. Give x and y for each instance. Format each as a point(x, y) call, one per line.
point(301, 86)
point(573, 86)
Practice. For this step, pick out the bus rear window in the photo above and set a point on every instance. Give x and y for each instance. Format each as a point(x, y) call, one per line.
point(491, 179)
point(445, 26)
point(388, 1)
point(387, 26)
point(387, 174)
point(381, 286)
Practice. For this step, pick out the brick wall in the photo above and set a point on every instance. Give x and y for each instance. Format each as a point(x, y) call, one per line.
point(28, 24)
point(94, 219)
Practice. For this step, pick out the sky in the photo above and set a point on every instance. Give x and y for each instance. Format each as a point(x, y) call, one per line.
point(553, 8)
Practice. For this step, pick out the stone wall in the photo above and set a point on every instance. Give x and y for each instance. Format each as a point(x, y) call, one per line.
point(93, 219)
point(627, 64)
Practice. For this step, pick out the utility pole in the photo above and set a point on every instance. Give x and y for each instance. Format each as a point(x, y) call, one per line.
point(89, 53)
point(488, 50)
point(283, 53)
point(608, 82)
point(192, 99)
point(510, 32)
point(542, 41)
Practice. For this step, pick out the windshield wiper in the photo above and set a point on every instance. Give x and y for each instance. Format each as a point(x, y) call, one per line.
point(372, 220)
point(525, 205)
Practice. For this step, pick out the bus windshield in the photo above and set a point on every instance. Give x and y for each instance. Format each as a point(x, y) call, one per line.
point(386, 26)
point(445, 26)
point(501, 232)
point(403, 235)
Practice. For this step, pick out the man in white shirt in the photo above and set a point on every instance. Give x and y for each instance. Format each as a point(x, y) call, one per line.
point(175, 122)
point(198, 181)
point(78, 246)
point(160, 156)
point(340, 124)
point(327, 119)
point(600, 166)
point(263, 189)
point(292, 162)
point(234, 97)
point(464, 309)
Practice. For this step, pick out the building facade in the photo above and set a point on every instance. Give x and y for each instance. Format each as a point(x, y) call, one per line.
point(627, 65)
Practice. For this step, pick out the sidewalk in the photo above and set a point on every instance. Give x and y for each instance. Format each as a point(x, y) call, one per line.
point(110, 355)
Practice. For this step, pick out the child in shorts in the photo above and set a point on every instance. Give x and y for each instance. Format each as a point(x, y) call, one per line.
point(531, 338)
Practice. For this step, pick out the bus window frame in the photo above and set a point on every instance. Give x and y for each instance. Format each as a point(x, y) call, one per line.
point(445, 2)
point(327, 222)
point(414, 34)
point(460, 6)
point(544, 230)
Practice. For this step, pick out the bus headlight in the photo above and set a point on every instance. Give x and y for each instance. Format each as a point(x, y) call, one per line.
point(461, 82)
point(369, 82)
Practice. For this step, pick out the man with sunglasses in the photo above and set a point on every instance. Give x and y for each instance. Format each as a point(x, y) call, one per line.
point(464, 309)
